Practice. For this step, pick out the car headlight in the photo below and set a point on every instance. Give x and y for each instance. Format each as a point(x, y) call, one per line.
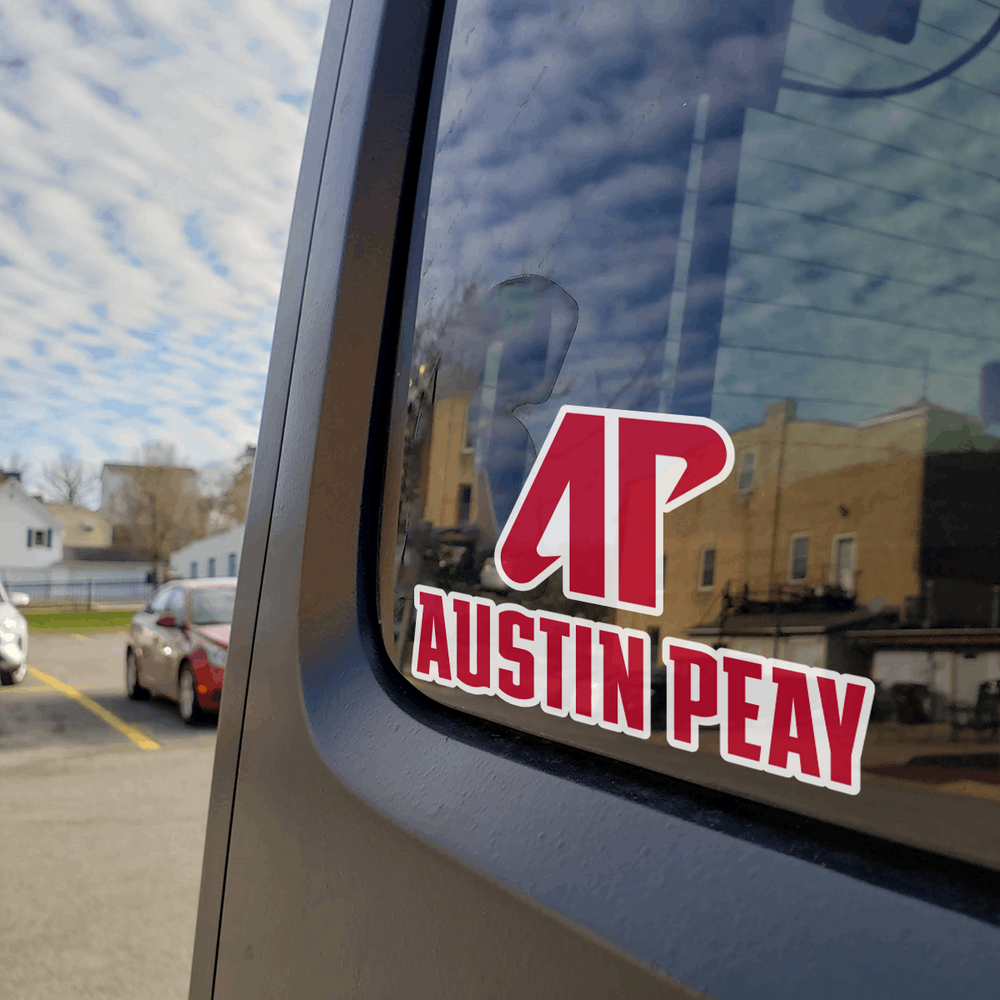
point(215, 653)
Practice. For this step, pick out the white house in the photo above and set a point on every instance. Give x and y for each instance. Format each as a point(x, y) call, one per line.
point(217, 555)
point(31, 537)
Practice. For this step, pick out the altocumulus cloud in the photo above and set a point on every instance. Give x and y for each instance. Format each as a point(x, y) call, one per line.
point(148, 158)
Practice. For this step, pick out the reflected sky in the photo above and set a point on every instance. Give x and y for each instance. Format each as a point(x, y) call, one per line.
point(641, 155)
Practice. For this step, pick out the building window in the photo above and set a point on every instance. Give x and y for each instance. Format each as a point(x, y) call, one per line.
point(744, 480)
point(706, 575)
point(231, 565)
point(211, 566)
point(194, 571)
point(799, 565)
point(469, 438)
point(654, 645)
point(464, 503)
point(42, 539)
point(843, 563)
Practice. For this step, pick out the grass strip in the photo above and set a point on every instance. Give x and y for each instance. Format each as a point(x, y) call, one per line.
point(77, 621)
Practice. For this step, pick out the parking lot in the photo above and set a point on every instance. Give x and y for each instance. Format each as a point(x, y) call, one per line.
point(102, 826)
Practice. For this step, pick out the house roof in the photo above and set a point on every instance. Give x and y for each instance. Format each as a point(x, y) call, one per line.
point(181, 552)
point(104, 554)
point(115, 467)
point(12, 489)
point(938, 638)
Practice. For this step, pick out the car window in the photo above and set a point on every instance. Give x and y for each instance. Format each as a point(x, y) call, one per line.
point(160, 600)
point(213, 605)
point(177, 604)
point(646, 254)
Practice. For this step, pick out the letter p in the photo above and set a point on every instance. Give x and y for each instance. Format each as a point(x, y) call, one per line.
point(692, 691)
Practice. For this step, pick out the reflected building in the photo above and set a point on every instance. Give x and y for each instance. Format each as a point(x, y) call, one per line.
point(867, 548)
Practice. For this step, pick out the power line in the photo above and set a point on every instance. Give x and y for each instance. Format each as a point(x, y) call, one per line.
point(916, 154)
point(795, 352)
point(818, 217)
point(906, 88)
point(774, 397)
point(857, 316)
point(830, 266)
point(911, 199)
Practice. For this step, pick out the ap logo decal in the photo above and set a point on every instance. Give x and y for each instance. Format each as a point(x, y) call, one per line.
point(593, 507)
point(594, 502)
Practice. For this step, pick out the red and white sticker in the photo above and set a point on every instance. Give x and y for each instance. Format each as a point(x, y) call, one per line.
point(593, 506)
point(594, 502)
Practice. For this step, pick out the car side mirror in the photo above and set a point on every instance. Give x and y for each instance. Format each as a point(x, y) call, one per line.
point(19, 600)
point(167, 621)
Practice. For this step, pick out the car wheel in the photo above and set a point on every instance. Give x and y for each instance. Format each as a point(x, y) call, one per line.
point(187, 696)
point(133, 686)
point(14, 675)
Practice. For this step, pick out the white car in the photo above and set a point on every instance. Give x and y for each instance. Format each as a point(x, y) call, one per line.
point(13, 638)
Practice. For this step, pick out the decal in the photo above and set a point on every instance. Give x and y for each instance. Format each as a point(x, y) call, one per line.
point(784, 718)
point(594, 673)
point(593, 506)
point(594, 501)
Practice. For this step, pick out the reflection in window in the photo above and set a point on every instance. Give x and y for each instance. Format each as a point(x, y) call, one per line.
point(799, 558)
point(676, 209)
point(706, 578)
point(464, 503)
point(843, 563)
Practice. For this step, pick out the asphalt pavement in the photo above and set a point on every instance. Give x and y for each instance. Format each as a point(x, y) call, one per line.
point(103, 805)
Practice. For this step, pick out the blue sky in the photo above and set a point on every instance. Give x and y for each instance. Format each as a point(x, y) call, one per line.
point(148, 160)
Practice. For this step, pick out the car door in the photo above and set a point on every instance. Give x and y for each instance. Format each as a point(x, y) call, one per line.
point(176, 641)
point(162, 644)
point(143, 634)
point(374, 834)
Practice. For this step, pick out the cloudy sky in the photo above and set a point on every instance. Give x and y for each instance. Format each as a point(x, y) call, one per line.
point(864, 265)
point(148, 159)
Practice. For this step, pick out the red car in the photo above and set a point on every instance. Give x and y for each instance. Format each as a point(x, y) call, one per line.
point(177, 645)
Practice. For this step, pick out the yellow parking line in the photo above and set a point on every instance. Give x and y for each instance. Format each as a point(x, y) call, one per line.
point(138, 738)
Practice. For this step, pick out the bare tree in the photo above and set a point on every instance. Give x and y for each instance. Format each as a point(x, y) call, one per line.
point(164, 512)
point(67, 480)
point(225, 489)
point(14, 462)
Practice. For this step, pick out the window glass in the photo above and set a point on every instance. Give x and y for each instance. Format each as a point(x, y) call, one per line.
point(212, 605)
point(730, 270)
point(158, 604)
point(799, 568)
point(177, 605)
point(706, 578)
